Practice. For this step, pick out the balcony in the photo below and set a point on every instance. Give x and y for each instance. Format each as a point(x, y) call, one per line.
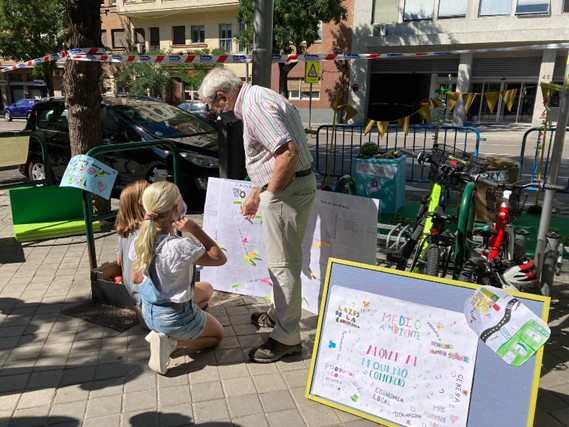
point(159, 7)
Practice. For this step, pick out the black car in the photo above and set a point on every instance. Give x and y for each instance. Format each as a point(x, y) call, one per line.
point(130, 119)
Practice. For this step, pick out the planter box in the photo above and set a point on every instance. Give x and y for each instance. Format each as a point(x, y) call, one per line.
point(382, 179)
point(105, 291)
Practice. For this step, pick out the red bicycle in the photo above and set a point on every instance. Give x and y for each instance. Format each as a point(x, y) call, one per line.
point(494, 263)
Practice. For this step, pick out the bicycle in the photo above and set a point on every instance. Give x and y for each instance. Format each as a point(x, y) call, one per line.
point(429, 245)
point(495, 263)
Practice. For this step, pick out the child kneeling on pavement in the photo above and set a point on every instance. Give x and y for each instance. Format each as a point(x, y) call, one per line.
point(164, 269)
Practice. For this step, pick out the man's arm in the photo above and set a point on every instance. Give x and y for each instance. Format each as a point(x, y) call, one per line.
point(286, 157)
point(285, 163)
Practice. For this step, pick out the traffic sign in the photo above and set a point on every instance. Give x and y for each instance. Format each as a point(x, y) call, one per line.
point(312, 72)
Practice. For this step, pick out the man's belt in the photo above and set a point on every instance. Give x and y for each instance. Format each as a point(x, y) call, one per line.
point(305, 172)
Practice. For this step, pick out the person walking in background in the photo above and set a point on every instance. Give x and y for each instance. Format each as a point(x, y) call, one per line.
point(279, 164)
point(129, 218)
point(164, 270)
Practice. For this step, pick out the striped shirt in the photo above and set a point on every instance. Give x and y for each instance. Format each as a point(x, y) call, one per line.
point(269, 121)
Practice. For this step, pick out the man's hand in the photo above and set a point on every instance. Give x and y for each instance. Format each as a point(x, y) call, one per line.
point(251, 204)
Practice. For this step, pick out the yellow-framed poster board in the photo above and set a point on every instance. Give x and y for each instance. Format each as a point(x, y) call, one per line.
point(395, 348)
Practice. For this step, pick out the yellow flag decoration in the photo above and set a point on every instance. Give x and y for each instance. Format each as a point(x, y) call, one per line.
point(452, 97)
point(382, 128)
point(546, 92)
point(468, 99)
point(435, 102)
point(404, 124)
point(509, 97)
point(350, 113)
point(425, 112)
point(369, 126)
point(492, 100)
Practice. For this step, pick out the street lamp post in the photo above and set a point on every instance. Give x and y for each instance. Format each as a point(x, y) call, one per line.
point(262, 42)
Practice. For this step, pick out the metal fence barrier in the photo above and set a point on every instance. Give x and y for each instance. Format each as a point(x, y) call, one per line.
point(338, 145)
point(538, 167)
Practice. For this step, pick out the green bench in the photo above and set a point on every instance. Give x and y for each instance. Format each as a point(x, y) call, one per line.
point(47, 212)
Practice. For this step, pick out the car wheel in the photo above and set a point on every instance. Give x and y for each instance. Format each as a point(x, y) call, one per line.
point(157, 173)
point(28, 114)
point(36, 170)
point(7, 116)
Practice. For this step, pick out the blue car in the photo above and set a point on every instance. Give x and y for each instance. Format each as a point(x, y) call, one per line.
point(21, 109)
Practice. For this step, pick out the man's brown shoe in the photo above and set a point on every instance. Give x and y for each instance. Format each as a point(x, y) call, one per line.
point(262, 320)
point(272, 351)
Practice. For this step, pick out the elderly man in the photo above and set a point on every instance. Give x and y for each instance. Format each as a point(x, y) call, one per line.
point(279, 164)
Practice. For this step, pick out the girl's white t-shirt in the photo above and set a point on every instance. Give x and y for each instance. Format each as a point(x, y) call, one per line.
point(174, 264)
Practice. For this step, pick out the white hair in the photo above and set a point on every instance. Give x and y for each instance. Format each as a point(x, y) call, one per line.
point(218, 80)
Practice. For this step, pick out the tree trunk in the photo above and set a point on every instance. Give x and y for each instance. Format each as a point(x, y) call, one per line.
point(47, 69)
point(284, 69)
point(81, 81)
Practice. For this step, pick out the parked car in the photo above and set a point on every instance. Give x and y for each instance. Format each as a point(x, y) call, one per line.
point(200, 109)
point(130, 119)
point(20, 109)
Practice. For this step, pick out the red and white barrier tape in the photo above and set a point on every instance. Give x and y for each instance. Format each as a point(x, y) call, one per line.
point(100, 55)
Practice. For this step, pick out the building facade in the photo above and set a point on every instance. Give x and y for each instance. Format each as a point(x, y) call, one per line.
point(485, 31)
point(184, 26)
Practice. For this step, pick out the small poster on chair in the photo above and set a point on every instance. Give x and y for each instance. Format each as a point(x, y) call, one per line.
point(89, 174)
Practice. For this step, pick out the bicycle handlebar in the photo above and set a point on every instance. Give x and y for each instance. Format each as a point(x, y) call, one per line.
point(538, 185)
point(411, 153)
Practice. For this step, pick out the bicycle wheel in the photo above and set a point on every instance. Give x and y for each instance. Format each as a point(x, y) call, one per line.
point(410, 246)
point(433, 255)
point(470, 272)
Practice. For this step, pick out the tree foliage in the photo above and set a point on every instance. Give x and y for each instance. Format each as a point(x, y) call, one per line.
point(154, 79)
point(32, 29)
point(295, 27)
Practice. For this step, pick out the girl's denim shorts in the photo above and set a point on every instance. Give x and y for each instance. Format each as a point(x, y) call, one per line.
point(181, 321)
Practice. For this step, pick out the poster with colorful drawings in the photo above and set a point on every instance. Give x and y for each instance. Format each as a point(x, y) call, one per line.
point(339, 225)
point(407, 363)
point(89, 174)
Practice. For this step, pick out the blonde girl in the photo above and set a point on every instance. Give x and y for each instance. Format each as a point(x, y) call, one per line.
point(163, 267)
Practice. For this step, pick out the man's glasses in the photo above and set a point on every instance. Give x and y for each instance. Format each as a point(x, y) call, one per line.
point(212, 106)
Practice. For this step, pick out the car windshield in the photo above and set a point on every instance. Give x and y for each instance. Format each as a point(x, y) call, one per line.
point(162, 120)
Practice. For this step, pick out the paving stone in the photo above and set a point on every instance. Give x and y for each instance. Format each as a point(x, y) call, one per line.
point(103, 406)
point(319, 415)
point(251, 421)
point(275, 401)
point(233, 371)
point(241, 406)
point(287, 418)
point(207, 391)
point(269, 382)
point(71, 409)
point(178, 395)
point(239, 387)
point(211, 410)
point(145, 399)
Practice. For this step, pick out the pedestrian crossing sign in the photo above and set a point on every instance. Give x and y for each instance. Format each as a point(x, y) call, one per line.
point(312, 72)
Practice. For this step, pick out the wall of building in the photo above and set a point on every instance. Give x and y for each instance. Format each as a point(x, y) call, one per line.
point(483, 70)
